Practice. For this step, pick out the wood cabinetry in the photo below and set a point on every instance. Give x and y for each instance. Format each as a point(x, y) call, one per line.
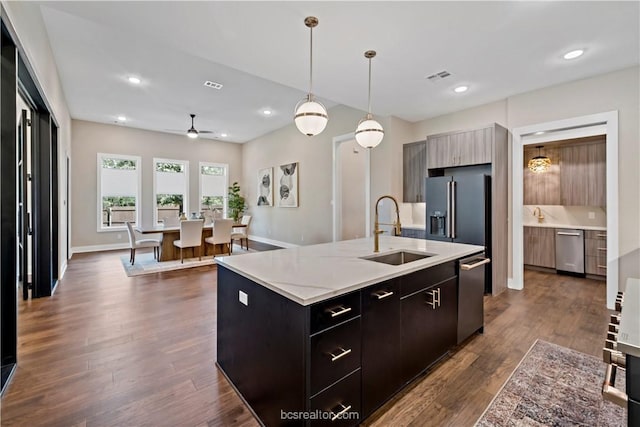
point(414, 171)
point(595, 252)
point(539, 247)
point(381, 363)
point(464, 148)
point(350, 353)
point(576, 177)
point(583, 175)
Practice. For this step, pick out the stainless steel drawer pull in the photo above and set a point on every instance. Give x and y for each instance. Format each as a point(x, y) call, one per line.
point(382, 294)
point(602, 249)
point(435, 298)
point(342, 354)
point(564, 233)
point(338, 311)
point(477, 264)
point(602, 235)
point(601, 266)
point(342, 410)
point(609, 391)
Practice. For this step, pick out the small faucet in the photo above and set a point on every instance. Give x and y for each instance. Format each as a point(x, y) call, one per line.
point(540, 216)
point(376, 228)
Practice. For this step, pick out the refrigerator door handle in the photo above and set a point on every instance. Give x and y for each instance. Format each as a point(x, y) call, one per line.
point(453, 209)
point(448, 216)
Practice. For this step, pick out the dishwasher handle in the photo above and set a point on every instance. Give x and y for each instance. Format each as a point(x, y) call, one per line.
point(564, 233)
point(466, 267)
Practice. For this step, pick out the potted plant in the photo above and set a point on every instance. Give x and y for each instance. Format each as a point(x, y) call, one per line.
point(237, 204)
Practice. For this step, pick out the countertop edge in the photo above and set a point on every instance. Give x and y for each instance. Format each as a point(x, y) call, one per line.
point(401, 271)
point(575, 227)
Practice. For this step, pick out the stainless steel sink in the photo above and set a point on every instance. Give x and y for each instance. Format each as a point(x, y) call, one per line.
point(397, 258)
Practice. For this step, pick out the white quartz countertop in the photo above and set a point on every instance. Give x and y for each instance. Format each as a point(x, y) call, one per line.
point(572, 226)
point(629, 334)
point(310, 274)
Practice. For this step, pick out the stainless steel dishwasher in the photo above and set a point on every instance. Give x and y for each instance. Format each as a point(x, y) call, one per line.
point(471, 295)
point(570, 250)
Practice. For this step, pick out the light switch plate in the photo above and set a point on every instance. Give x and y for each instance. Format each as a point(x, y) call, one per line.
point(243, 297)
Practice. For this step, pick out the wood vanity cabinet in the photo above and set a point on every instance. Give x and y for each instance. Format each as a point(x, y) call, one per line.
point(539, 247)
point(414, 171)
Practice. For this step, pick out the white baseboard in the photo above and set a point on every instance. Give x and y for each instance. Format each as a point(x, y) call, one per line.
point(98, 248)
point(63, 269)
point(272, 242)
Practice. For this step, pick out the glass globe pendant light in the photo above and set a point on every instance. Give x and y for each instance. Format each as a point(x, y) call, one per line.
point(310, 115)
point(369, 132)
point(539, 164)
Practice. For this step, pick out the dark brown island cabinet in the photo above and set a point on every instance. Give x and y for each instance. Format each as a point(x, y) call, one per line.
point(336, 361)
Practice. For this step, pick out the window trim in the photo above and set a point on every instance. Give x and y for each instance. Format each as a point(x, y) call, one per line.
point(154, 200)
point(225, 196)
point(99, 159)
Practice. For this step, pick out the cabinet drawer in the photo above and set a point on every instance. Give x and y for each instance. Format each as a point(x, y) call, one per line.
point(336, 310)
point(341, 401)
point(422, 279)
point(595, 247)
point(595, 234)
point(334, 353)
point(596, 265)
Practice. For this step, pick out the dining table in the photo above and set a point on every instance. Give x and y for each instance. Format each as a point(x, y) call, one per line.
point(171, 233)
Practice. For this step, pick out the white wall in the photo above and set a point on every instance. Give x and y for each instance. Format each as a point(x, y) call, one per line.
point(33, 42)
point(90, 138)
point(351, 170)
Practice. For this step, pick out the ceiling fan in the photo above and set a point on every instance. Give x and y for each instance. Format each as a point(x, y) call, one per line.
point(192, 132)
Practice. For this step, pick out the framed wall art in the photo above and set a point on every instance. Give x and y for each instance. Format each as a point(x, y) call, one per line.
point(265, 187)
point(287, 185)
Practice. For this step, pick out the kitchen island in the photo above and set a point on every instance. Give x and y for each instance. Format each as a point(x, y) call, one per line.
point(316, 333)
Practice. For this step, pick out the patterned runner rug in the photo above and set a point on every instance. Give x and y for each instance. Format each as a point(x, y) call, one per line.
point(555, 386)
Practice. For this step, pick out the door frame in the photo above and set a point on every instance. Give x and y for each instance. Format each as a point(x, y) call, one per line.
point(336, 141)
point(575, 127)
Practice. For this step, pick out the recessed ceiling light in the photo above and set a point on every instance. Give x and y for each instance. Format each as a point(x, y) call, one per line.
point(461, 89)
point(539, 133)
point(134, 80)
point(266, 112)
point(573, 54)
point(122, 119)
point(224, 135)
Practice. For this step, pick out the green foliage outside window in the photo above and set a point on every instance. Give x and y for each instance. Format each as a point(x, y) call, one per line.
point(212, 170)
point(118, 201)
point(118, 164)
point(169, 167)
point(212, 202)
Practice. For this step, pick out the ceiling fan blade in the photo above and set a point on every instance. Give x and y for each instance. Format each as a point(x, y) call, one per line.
point(206, 131)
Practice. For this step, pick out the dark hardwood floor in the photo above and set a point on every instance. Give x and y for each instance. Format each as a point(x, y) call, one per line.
point(112, 350)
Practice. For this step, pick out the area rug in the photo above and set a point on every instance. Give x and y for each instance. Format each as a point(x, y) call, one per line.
point(554, 386)
point(146, 263)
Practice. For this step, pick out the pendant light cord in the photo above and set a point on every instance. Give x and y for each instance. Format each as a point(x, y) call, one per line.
point(310, 63)
point(369, 85)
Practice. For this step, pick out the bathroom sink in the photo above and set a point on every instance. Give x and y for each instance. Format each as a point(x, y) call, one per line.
point(397, 258)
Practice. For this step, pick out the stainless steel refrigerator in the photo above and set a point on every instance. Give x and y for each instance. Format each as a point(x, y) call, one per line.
point(459, 211)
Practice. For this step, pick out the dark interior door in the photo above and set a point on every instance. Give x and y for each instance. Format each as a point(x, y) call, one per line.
point(23, 210)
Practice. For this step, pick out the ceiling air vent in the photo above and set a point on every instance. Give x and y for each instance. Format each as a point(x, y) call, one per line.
point(213, 85)
point(438, 76)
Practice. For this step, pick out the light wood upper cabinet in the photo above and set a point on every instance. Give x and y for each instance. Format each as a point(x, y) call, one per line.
point(414, 171)
point(460, 148)
point(576, 177)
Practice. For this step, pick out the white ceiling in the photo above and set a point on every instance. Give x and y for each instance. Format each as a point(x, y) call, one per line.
point(259, 51)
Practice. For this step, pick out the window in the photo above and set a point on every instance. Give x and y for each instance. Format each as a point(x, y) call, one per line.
point(119, 182)
point(170, 189)
point(214, 180)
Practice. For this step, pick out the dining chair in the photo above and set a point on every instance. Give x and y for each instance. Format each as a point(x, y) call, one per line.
point(190, 236)
point(151, 241)
point(221, 234)
point(242, 233)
